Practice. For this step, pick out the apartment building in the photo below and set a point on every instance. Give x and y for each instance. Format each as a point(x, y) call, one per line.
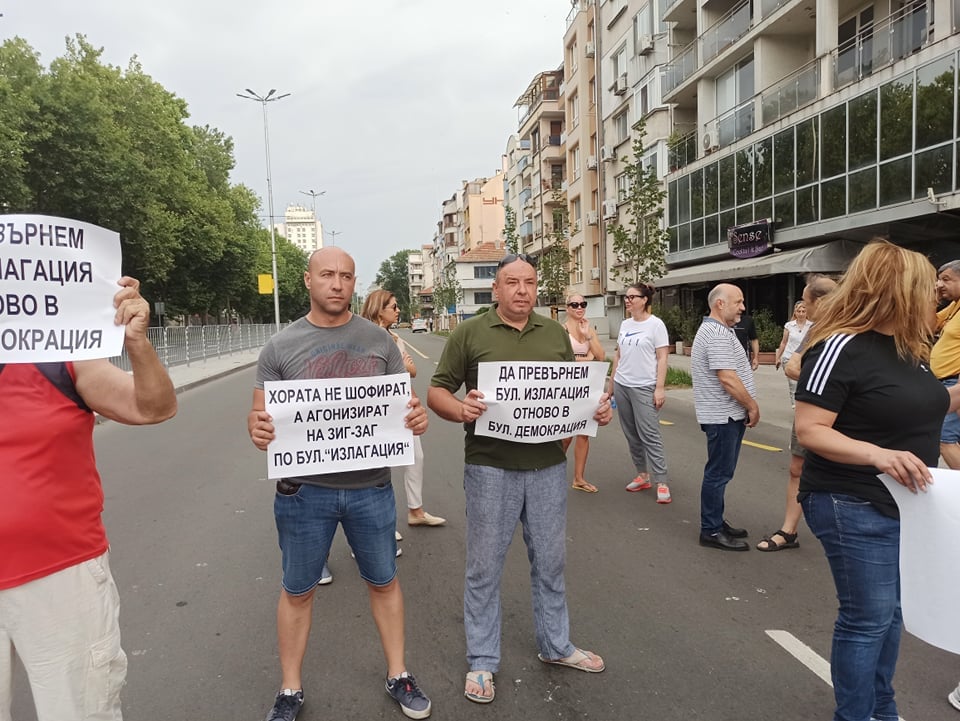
point(809, 127)
point(302, 228)
point(420, 279)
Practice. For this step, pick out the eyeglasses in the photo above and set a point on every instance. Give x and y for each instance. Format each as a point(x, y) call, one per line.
point(577, 305)
point(633, 296)
point(391, 307)
point(512, 257)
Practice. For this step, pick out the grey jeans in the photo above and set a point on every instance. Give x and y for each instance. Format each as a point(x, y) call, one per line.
point(640, 423)
point(496, 499)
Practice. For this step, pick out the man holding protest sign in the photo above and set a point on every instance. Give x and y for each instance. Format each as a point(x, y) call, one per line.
point(507, 482)
point(59, 608)
point(331, 342)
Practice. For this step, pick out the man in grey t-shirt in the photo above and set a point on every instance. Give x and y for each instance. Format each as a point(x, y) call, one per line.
point(725, 401)
point(330, 342)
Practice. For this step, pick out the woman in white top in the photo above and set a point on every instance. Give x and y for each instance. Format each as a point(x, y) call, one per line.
point(639, 374)
point(794, 331)
point(382, 308)
point(586, 347)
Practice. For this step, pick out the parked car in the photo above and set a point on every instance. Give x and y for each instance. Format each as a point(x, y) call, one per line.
point(419, 325)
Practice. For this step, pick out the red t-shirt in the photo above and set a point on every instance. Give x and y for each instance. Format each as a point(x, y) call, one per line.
point(50, 493)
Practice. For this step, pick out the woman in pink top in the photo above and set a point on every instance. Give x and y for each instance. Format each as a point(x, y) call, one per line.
point(586, 347)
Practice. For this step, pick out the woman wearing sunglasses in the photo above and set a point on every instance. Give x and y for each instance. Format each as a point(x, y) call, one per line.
point(382, 308)
point(638, 377)
point(586, 347)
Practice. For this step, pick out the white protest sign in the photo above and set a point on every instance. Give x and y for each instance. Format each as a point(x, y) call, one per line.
point(929, 585)
point(535, 402)
point(338, 424)
point(57, 282)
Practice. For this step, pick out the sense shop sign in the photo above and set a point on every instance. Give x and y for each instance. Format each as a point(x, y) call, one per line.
point(752, 240)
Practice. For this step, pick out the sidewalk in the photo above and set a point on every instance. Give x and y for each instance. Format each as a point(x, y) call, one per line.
point(186, 376)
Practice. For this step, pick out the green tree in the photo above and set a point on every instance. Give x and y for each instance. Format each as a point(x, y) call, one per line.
point(511, 239)
point(640, 247)
point(554, 265)
point(447, 290)
point(393, 276)
point(20, 78)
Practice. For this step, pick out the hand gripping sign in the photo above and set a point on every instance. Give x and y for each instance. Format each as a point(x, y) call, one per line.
point(57, 282)
point(535, 402)
point(338, 424)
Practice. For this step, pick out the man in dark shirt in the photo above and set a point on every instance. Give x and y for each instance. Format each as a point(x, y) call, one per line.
point(747, 335)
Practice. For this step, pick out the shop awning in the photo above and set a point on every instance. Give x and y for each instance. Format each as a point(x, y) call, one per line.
point(829, 257)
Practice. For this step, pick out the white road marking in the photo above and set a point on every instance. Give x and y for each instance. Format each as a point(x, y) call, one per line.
point(415, 350)
point(805, 655)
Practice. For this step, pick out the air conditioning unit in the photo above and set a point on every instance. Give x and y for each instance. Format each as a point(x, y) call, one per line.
point(592, 217)
point(621, 86)
point(591, 162)
point(590, 49)
point(563, 138)
point(608, 153)
point(644, 44)
point(595, 273)
point(609, 209)
point(612, 300)
point(710, 139)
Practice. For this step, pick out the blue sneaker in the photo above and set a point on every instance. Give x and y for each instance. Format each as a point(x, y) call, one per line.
point(286, 706)
point(404, 690)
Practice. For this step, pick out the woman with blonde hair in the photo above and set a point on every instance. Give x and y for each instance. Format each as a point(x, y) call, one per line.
point(381, 307)
point(586, 347)
point(794, 331)
point(867, 403)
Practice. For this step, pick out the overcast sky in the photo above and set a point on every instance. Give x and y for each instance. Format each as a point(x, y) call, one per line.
point(393, 102)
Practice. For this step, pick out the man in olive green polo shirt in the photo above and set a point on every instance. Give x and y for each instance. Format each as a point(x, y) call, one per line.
point(507, 482)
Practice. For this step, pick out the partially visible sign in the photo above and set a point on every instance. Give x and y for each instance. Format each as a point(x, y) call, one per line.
point(57, 281)
point(264, 284)
point(338, 424)
point(751, 240)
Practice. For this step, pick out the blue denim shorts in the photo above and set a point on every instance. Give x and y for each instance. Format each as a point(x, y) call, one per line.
point(307, 520)
point(950, 432)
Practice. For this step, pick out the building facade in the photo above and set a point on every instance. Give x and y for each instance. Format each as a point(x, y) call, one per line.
point(302, 228)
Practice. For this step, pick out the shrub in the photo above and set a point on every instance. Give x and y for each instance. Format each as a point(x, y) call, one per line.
point(769, 332)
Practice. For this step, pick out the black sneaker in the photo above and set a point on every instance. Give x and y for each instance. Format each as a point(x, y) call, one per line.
point(286, 706)
point(404, 690)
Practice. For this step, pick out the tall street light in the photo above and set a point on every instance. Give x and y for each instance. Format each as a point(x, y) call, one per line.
point(333, 236)
point(263, 100)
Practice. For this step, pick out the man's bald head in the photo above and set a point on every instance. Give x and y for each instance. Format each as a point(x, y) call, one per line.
point(726, 304)
point(330, 279)
point(330, 254)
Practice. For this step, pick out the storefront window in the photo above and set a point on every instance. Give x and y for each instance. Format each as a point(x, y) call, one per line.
point(711, 230)
point(745, 176)
point(935, 103)
point(683, 199)
point(863, 190)
point(896, 118)
point(833, 197)
point(808, 168)
point(727, 179)
point(763, 168)
point(745, 214)
point(784, 172)
point(783, 210)
point(710, 189)
point(934, 170)
point(807, 205)
point(895, 181)
point(763, 209)
point(833, 129)
point(696, 194)
point(863, 126)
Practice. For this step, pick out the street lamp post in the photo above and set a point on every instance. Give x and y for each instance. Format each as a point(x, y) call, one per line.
point(333, 236)
point(263, 100)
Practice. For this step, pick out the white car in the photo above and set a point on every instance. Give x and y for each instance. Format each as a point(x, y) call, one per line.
point(418, 325)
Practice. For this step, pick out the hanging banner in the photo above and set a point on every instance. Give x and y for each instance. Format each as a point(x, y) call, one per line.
point(535, 402)
point(57, 281)
point(751, 240)
point(338, 424)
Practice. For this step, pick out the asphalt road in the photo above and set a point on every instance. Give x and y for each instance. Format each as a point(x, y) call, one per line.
point(684, 630)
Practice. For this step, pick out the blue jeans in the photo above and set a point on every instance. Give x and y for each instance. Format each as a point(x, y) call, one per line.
point(307, 521)
point(496, 499)
point(723, 450)
point(950, 432)
point(863, 548)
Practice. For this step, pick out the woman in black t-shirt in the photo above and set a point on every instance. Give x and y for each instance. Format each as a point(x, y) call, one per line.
point(867, 403)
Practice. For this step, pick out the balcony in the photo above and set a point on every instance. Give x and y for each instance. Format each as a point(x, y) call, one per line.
point(680, 68)
point(524, 195)
point(898, 36)
point(794, 91)
point(734, 124)
point(682, 150)
point(726, 31)
point(524, 161)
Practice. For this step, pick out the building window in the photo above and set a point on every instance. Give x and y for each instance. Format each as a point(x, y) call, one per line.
point(574, 110)
point(482, 297)
point(621, 127)
point(642, 28)
point(572, 58)
point(575, 162)
point(735, 89)
point(577, 270)
point(575, 211)
point(618, 63)
point(622, 183)
point(481, 272)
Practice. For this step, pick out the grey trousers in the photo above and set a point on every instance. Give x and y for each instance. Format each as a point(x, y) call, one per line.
point(496, 499)
point(640, 422)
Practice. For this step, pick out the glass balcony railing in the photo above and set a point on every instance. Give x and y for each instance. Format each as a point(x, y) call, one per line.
point(680, 68)
point(726, 31)
point(682, 151)
point(524, 195)
point(735, 124)
point(893, 38)
point(794, 91)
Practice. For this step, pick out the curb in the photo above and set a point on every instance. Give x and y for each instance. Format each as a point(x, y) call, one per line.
point(206, 379)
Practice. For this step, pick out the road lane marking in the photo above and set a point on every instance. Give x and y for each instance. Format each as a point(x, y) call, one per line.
point(803, 653)
point(763, 447)
point(415, 350)
point(666, 423)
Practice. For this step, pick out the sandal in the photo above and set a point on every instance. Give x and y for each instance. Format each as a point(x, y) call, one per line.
point(586, 487)
point(483, 680)
point(580, 660)
point(789, 541)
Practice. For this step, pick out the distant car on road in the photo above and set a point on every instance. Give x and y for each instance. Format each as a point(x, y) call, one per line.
point(418, 325)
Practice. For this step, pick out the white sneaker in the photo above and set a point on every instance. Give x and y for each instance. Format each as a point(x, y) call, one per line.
point(398, 536)
point(663, 493)
point(954, 698)
point(326, 577)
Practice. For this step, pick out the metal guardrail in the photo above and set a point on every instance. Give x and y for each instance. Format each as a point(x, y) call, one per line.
point(177, 345)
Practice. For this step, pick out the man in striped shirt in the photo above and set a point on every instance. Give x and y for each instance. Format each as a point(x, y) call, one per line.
point(724, 396)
